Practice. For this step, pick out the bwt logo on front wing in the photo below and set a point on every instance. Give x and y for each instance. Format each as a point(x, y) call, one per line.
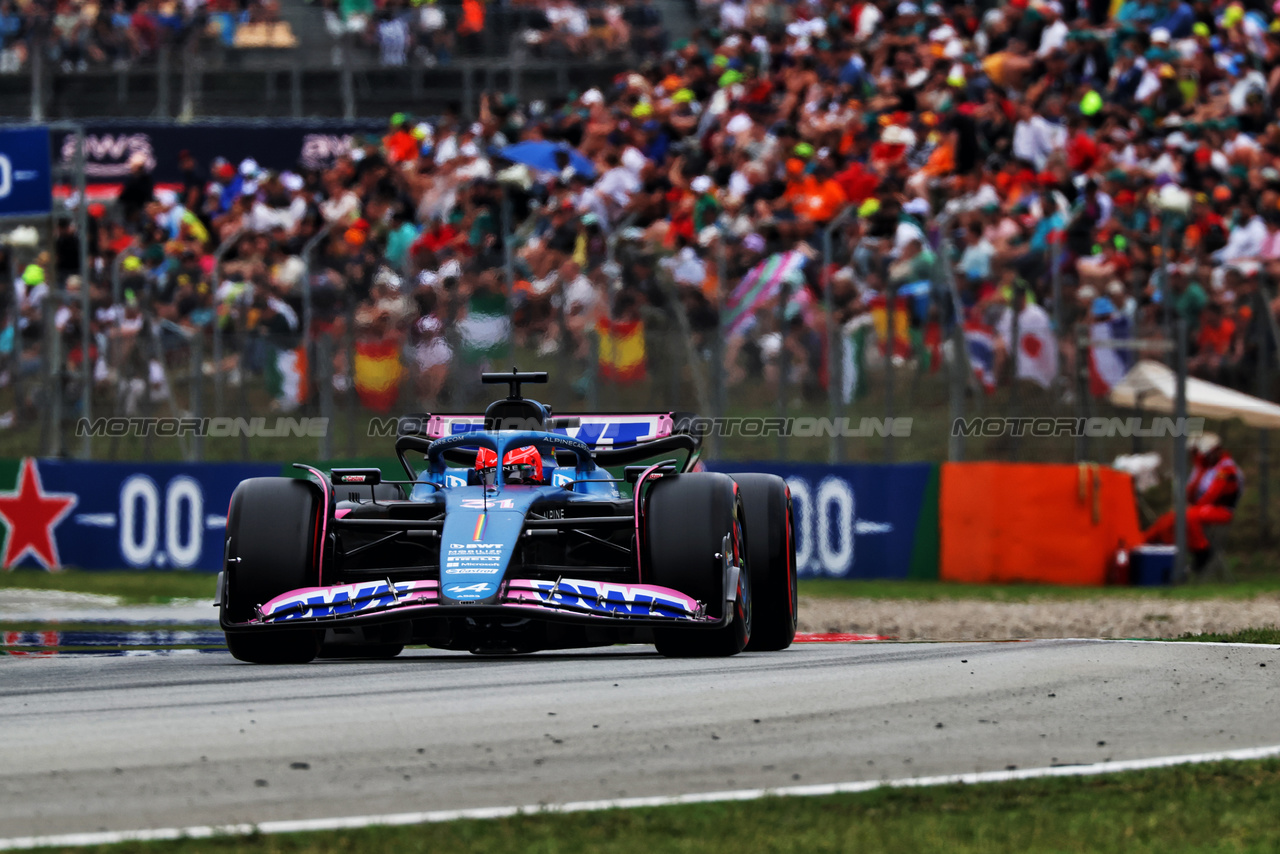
point(337, 601)
point(608, 599)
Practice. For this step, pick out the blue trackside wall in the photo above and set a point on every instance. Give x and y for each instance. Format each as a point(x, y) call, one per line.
point(860, 521)
point(852, 521)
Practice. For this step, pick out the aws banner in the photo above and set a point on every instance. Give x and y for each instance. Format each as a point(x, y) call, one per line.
point(89, 515)
point(109, 146)
point(860, 521)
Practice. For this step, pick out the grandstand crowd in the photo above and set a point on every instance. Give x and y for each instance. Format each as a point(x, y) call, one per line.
point(79, 35)
point(1105, 166)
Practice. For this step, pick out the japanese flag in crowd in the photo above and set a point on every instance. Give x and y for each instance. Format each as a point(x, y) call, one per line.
point(1037, 350)
point(1108, 365)
point(982, 354)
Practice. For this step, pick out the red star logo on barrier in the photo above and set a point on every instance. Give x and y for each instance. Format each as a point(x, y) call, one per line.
point(32, 514)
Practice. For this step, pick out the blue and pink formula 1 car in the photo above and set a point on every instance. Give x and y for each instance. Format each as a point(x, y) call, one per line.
point(516, 536)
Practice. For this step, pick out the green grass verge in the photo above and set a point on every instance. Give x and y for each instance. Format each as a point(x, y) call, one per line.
point(1269, 635)
point(937, 591)
point(133, 587)
point(1201, 808)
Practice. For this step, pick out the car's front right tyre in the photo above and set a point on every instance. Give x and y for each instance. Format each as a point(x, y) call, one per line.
point(272, 547)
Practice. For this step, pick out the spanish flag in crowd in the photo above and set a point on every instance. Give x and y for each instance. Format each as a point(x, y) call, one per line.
point(901, 324)
point(378, 372)
point(622, 358)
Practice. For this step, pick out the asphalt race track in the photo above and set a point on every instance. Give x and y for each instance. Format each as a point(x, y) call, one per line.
point(105, 743)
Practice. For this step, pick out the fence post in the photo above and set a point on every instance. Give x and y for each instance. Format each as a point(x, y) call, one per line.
point(716, 374)
point(348, 80)
point(1262, 308)
point(215, 277)
point(593, 370)
point(1015, 348)
point(53, 370)
point(1082, 386)
point(685, 333)
point(162, 79)
point(308, 310)
point(37, 79)
point(835, 360)
point(193, 391)
point(190, 70)
point(784, 364)
point(242, 344)
point(507, 224)
point(468, 91)
point(12, 320)
point(353, 399)
point(959, 369)
point(891, 338)
point(324, 373)
point(295, 88)
point(1055, 280)
point(86, 305)
point(1180, 452)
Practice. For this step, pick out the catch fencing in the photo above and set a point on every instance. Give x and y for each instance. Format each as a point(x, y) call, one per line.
point(855, 356)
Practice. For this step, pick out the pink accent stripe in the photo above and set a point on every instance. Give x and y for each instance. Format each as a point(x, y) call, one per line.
point(836, 637)
point(636, 511)
point(324, 525)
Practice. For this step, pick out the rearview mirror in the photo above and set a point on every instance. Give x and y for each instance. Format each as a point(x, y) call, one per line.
point(356, 477)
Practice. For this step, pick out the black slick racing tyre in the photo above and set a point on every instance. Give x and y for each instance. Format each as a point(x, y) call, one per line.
point(271, 548)
point(771, 556)
point(686, 519)
point(367, 650)
point(284, 647)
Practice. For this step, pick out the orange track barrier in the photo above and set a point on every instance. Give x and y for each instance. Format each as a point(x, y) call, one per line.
point(1045, 524)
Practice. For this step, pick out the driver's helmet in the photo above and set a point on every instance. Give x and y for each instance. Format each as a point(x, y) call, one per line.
point(523, 465)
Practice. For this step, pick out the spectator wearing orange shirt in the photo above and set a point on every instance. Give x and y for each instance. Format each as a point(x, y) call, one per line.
point(471, 25)
point(1213, 343)
point(400, 143)
point(817, 196)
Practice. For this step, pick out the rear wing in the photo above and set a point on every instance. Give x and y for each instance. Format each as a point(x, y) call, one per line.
point(598, 431)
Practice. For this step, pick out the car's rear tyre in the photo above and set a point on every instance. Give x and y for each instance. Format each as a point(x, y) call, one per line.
point(771, 556)
point(272, 542)
point(686, 519)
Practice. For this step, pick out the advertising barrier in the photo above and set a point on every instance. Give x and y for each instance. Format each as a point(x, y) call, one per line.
point(25, 177)
point(99, 515)
point(853, 521)
point(109, 146)
point(860, 521)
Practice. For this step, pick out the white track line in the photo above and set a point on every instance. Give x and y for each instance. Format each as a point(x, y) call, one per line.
point(1260, 646)
point(359, 821)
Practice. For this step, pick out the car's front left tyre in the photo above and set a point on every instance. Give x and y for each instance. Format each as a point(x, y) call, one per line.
point(686, 519)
